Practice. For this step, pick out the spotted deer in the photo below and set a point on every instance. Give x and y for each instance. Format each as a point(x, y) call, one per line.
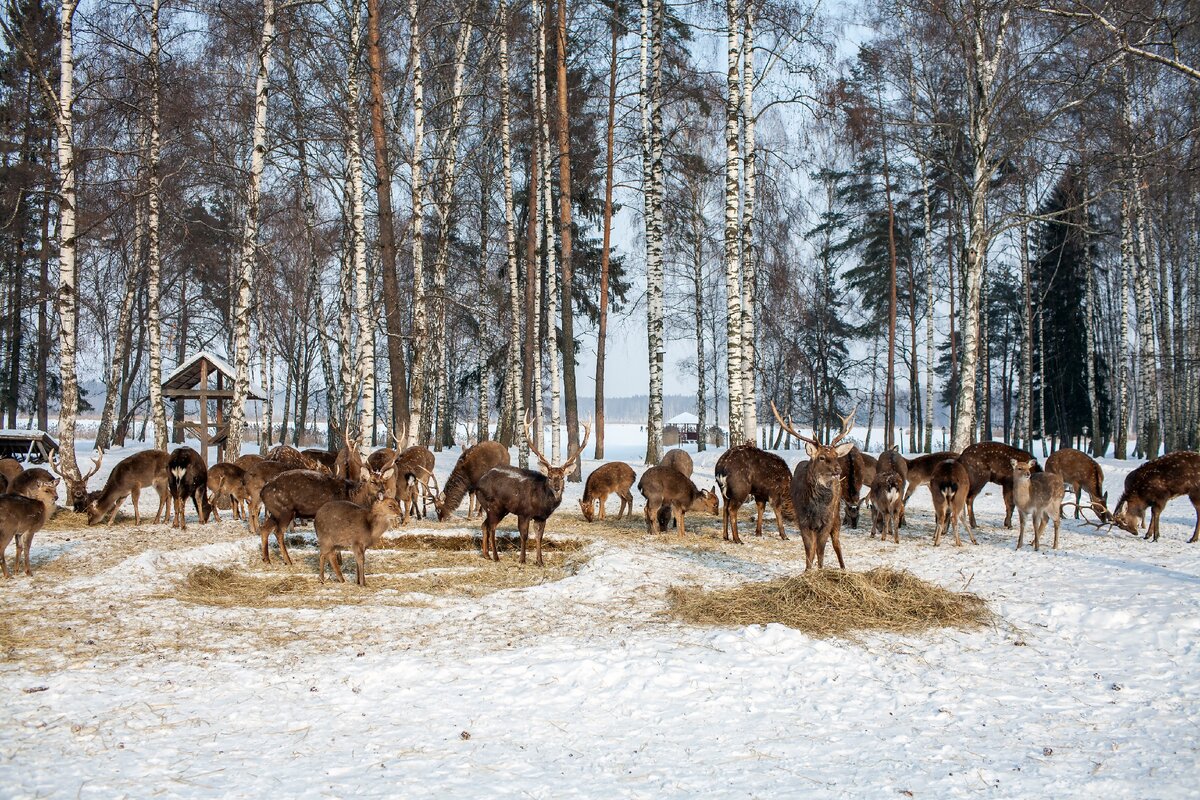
point(1152, 486)
point(746, 471)
point(1038, 495)
point(1079, 471)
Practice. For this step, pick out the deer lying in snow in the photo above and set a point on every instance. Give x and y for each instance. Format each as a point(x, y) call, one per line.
point(127, 479)
point(1080, 471)
point(1038, 494)
point(1153, 485)
point(669, 495)
point(528, 495)
point(343, 525)
point(23, 515)
point(817, 492)
point(949, 484)
point(615, 477)
point(887, 505)
point(746, 471)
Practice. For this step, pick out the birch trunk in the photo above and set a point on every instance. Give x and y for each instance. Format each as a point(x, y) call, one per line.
point(602, 325)
point(121, 343)
point(927, 245)
point(245, 273)
point(347, 373)
point(1089, 321)
point(1025, 411)
point(698, 225)
point(1121, 443)
point(1150, 433)
point(749, 263)
point(733, 281)
point(549, 239)
point(358, 234)
point(153, 255)
point(652, 113)
point(510, 248)
point(420, 335)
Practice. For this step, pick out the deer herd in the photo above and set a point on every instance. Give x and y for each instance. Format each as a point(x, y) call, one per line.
point(352, 501)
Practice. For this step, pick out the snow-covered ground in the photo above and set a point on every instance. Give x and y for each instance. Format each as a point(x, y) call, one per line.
point(1088, 685)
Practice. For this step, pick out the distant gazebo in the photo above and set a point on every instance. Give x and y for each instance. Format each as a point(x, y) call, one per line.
point(203, 378)
point(682, 429)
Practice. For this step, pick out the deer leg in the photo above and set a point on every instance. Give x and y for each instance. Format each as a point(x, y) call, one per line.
point(652, 516)
point(725, 521)
point(1078, 497)
point(762, 507)
point(626, 505)
point(678, 516)
point(731, 512)
point(264, 531)
point(836, 536)
point(1153, 529)
point(810, 547)
point(523, 527)
point(360, 557)
point(1021, 532)
point(162, 504)
point(281, 530)
point(1008, 506)
point(971, 511)
point(137, 516)
point(215, 511)
point(1195, 533)
point(1056, 526)
point(540, 532)
point(336, 563)
point(321, 556)
point(24, 544)
point(4, 540)
point(779, 520)
point(938, 517)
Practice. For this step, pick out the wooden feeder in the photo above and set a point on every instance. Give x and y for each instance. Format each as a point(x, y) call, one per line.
point(203, 378)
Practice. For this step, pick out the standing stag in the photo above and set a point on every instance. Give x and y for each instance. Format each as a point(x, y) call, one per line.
point(989, 462)
point(472, 465)
point(1080, 471)
point(127, 479)
point(1152, 486)
point(617, 478)
point(341, 524)
point(746, 471)
point(817, 491)
point(526, 494)
point(187, 477)
point(1039, 495)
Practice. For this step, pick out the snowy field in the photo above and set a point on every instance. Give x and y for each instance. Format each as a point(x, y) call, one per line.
point(575, 683)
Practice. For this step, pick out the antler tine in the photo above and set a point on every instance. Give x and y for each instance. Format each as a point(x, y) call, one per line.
point(787, 427)
point(54, 463)
point(847, 425)
point(587, 432)
point(96, 467)
point(529, 438)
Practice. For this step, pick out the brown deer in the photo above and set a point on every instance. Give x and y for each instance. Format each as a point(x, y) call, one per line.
point(414, 476)
point(28, 481)
point(887, 504)
point(343, 525)
point(326, 459)
point(23, 515)
point(248, 460)
point(1038, 494)
point(300, 494)
point(127, 479)
point(1152, 486)
point(852, 468)
point(669, 495)
point(615, 477)
point(949, 484)
point(988, 462)
point(746, 471)
point(921, 468)
point(816, 492)
point(1080, 471)
point(472, 465)
point(3, 484)
point(10, 468)
point(187, 477)
point(78, 495)
point(228, 480)
point(677, 459)
point(257, 477)
point(287, 454)
point(528, 495)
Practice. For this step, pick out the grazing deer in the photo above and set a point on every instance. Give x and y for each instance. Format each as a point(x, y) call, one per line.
point(851, 466)
point(472, 465)
point(248, 460)
point(669, 495)
point(257, 477)
point(921, 468)
point(228, 480)
point(300, 494)
point(286, 454)
point(615, 477)
point(128, 478)
point(341, 524)
point(414, 474)
point(988, 462)
point(526, 494)
point(10, 468)
point(949, 484)
point(1080, 471)
point(187, 477)
point(677, 459)
point(816, 492)
point(78, 495)
point(23, 515)
point(1038, 494)
point(1152, 486)
point(746, 471)
point(887, 504)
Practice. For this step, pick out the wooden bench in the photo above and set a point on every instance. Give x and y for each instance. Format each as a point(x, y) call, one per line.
point(34, 447)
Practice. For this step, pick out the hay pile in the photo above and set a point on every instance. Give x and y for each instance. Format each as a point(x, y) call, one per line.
point(232, 587)
point(833, 602)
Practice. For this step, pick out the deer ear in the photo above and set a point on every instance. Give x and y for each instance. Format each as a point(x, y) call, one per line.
point(844, 448)
point(1013, 461)
point(387, 473)
point(811, 449)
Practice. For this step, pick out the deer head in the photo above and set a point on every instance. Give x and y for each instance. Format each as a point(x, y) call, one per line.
point(824, 469)
point(77, 491)
point(557, 474)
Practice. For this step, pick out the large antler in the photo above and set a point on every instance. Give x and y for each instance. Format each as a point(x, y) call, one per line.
point(54, 465)
point(795, 433)
point(587, 432)
point(529, 438)
point(847, 425)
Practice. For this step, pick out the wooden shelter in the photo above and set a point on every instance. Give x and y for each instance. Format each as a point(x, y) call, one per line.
point(204, 378)
point(682, 429)
point(31, 446)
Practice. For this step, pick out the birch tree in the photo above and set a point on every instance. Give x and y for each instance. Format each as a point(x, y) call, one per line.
point(606, 247)
point(153, 249)
point(733, 279)
point(652, 190)
point(749, 265)
point(420, 334)
point(549, 239)
point(358, 234)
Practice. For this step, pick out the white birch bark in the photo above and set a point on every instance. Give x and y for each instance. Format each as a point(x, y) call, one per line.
point(420, 334)
point(1148, 416)
point(245, 272)
point(749, 263)
point(153, 254)
point(358, 234)
point(347, 374)
point(550, 237)
point(121, 342)
point(733, 280)
point(510, 249)
point(1121, 443)
point(652, 181)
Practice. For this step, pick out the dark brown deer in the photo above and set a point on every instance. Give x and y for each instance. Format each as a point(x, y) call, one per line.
point(1152, 486)
point(670, 495)
point(887, 504)
point(817, 492)
point(677, 459)
point(416, 484)
point(921, 468)
point(3, 484)
point(300, 494)
point(127, 479)
point(1080, 471)
point(78, 495)
point(615, 477)
point(852, 468)
point(949, 485)
point(528, 495)
point(10, 468)
point(472, 465)
point(1038, 494)
point(342, 525)
point(989, 462)
point(187, 477)
point(326, 459)
point(227, 480)
point(23, 515)
point(746, 471)
point(258, 476)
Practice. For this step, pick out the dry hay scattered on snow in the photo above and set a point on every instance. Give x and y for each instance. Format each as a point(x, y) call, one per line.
point(833, 602)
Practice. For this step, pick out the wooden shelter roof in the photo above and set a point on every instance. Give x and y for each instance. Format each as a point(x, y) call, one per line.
point(184, 381)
